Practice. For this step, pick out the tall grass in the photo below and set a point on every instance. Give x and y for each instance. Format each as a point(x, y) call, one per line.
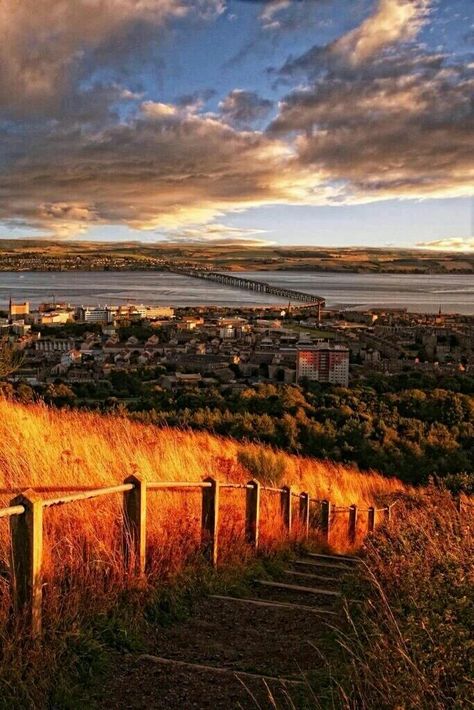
point(411, 644)
point(42, 446)
point(83, 568)
point(47, 447)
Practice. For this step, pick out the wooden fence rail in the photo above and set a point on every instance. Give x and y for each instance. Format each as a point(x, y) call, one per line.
point(26, 512)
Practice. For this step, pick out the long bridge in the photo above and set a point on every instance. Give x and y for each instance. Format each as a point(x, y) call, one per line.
point(288, 294)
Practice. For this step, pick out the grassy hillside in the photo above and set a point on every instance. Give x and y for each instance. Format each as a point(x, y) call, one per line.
point(47, 447)
point(410, 644)
point(89, 603)
point(421, 567)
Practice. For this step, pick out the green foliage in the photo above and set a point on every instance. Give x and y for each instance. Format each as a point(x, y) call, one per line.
point(405, 426)
point(413, 426)
point(138, 331)
point(460, 483)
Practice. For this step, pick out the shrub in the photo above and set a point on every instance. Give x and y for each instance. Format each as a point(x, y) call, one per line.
point(264, 464)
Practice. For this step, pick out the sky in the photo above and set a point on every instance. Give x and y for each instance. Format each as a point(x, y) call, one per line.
point(313, 122)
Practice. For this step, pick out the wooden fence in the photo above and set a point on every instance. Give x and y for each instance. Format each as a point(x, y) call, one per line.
point(26, 511)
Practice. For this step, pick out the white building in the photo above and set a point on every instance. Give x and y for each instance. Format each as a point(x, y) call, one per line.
point(96, 315)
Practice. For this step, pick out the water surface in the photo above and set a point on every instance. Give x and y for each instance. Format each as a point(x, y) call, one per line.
point(419, 293)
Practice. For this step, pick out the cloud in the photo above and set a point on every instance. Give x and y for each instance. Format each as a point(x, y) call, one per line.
point(279, 16)
point(399, 125)
point(450, 244)
point(269, 15)
point(164, 168)
point(242, 108)
point(217, 233)
point(375, 116)
point(196, 100)
point(393, 21)
point(44, 48)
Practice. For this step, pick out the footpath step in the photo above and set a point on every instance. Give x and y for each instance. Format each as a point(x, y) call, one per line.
point(309, 575)
point(345, 559)
point(336, 566)
point(275, 604)
point(142, 684)
point(238, 652)
point(298, 588)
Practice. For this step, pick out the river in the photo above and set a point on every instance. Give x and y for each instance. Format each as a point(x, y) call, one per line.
point(418, 293)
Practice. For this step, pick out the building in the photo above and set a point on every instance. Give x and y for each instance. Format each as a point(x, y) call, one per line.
point(54, 318)
point(18, 310)
point(20, 328)
point(155, 312)
point(96, 315)
point(49, 345)
point(323, 363)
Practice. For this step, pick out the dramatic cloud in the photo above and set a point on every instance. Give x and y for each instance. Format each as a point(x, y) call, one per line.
point(166, 167)
point(44, 44)
point(87, 141)
point(393, 21)
point(242, 108)
point(399, 125)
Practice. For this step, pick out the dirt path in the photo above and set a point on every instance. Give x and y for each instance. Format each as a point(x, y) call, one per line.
point(235, 653)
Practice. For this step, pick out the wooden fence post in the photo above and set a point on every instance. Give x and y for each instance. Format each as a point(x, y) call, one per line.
point(210, 521)
point(304, 513)
point(285, 506)
point(387, 514)
point(26, 532)
point(134, 528)
point(252, 513)
point(352, 523)
point(371, 520)
point(325, 519)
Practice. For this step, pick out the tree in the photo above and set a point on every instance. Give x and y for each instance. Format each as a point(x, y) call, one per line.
point(10, 360)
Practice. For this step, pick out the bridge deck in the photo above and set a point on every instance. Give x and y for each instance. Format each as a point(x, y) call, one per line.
point(252, 285)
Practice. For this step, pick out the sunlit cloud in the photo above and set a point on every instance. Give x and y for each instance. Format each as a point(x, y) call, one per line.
point(375, 115)
point(217, 233)
point(399, 125)
point(393, 21)
point(463, 244)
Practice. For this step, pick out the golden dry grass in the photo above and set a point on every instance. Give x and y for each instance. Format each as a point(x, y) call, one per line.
point(82, 551)
point(47, 447)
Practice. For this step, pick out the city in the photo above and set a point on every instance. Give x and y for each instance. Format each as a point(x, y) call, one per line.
point(236, 354)
point(226, 347)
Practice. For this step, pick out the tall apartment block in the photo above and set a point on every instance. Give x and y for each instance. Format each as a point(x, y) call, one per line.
point(323, 363)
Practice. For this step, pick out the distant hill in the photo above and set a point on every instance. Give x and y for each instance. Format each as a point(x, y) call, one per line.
point(39, 255)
